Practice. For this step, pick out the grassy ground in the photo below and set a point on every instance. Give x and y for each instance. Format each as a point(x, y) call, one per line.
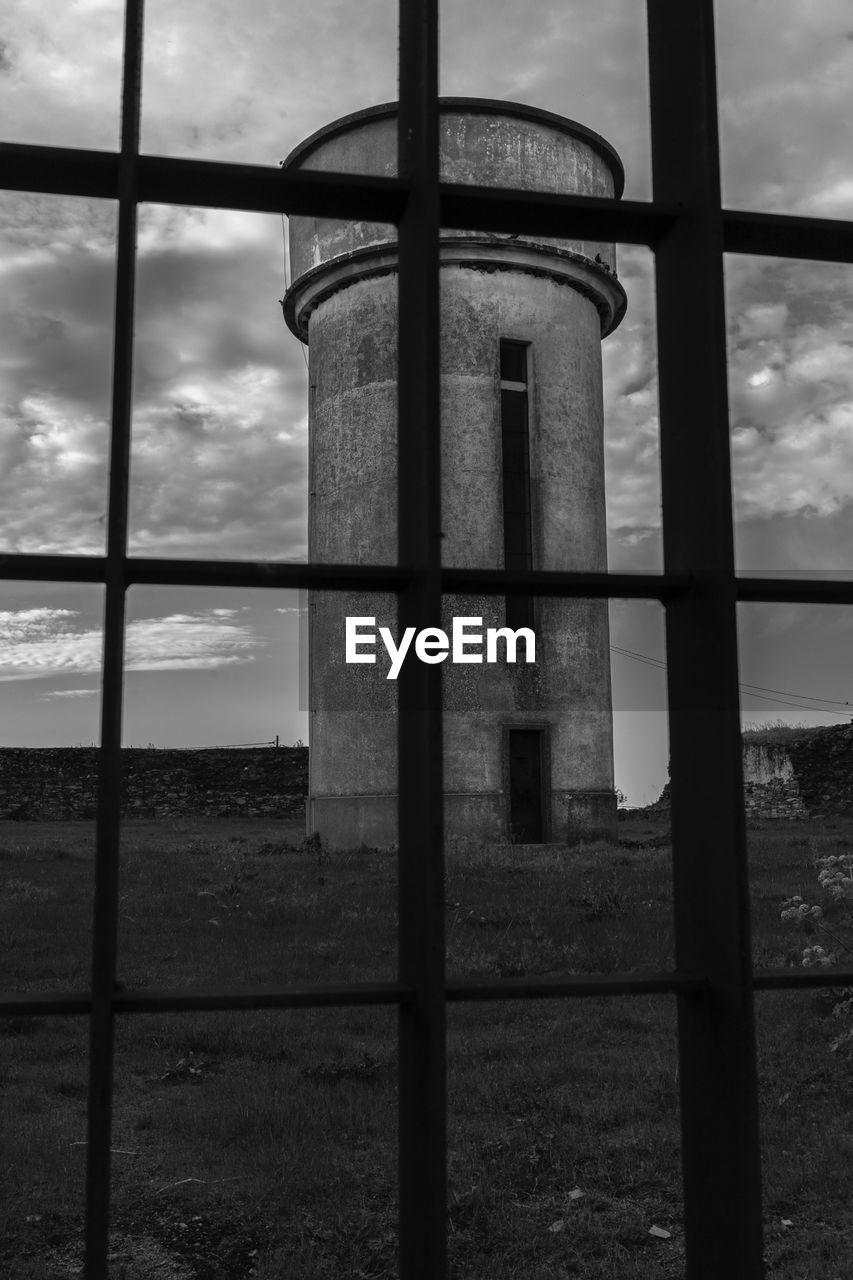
point(264, 1144)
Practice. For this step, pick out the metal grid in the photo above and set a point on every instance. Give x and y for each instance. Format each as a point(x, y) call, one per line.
point(714, 979)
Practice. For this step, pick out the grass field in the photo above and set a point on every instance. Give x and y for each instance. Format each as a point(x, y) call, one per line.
point(263, 1144)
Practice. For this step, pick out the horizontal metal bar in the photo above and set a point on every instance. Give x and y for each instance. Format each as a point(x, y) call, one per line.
point(260, 190)
point(783, 236)
point(545, 213)
point(542, 582)
point(59, 171)
point(256, 188)
point(341, 577)
point(310, 997)
point(596, 984)
point(638, 222)
point(799, 979)
point(202, 183)
point(236, 573)
point(795, 590)
point(34, 1004)
point(203, 573)
point(70, 1003)
point(37, 568)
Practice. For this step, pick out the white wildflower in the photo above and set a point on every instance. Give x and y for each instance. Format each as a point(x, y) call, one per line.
point(817, 956)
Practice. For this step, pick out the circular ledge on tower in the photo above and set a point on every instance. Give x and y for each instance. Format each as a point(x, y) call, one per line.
point(574, 270)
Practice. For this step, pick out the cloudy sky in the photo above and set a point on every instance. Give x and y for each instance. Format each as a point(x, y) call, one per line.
point(219, 444)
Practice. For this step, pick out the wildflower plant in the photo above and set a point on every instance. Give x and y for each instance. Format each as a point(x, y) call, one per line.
point(796, 909)
point(835, 879)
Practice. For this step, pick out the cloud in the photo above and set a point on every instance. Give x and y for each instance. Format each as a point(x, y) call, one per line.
point(46, 642)
point(338, 51)
point(41, 643)
point(220, 393)
point(64, 67)
point(69, 693)
point(785, 75)
point(790, 402)
point(188, 642)
point(790, 388)
point(219, 379)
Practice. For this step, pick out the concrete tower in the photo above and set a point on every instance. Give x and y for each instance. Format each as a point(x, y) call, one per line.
point(528, 747)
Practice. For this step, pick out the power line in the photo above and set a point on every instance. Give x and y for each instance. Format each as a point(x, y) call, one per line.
point(803, 706)
point(640, 657)
point(754, 690)
point(812, 698)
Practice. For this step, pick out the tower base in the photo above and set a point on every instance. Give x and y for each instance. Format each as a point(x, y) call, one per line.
point(346, 822)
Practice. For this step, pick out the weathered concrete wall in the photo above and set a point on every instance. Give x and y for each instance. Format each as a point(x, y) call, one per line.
point(60, 783)
point(770, 787)
point(765, 762)
point(553, 295)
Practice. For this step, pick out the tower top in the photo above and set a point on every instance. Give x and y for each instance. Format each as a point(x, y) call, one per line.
point(483, 142)
point(491, 107)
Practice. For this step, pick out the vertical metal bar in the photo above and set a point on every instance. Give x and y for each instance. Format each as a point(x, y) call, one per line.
point(109, 782)
point(422, 1138)
point(711, 894)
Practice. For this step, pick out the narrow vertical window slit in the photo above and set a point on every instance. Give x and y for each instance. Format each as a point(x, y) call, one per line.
point(515, 460)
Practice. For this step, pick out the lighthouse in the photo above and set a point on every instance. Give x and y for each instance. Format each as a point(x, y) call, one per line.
point(528, 745)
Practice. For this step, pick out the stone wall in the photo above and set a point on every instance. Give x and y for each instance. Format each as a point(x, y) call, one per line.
point(776, 798)
point(799, 773)
point(60, 783)
point(793, 773)
point(771, 789)
point(822, 764)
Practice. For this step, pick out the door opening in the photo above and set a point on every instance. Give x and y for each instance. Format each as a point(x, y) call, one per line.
point(526, 819)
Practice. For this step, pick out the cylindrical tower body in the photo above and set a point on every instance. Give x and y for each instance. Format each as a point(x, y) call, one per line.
point(528, 747)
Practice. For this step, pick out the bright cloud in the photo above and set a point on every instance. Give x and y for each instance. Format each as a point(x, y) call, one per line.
point(39, 643)
point(70, 693)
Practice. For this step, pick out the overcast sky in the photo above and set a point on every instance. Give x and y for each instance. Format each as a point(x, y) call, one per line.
point(219, 445)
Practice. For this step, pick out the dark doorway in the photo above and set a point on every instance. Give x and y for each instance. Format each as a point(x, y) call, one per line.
point(525, 786)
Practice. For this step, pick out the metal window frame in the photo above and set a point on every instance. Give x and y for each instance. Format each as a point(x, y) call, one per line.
point(714, 980)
